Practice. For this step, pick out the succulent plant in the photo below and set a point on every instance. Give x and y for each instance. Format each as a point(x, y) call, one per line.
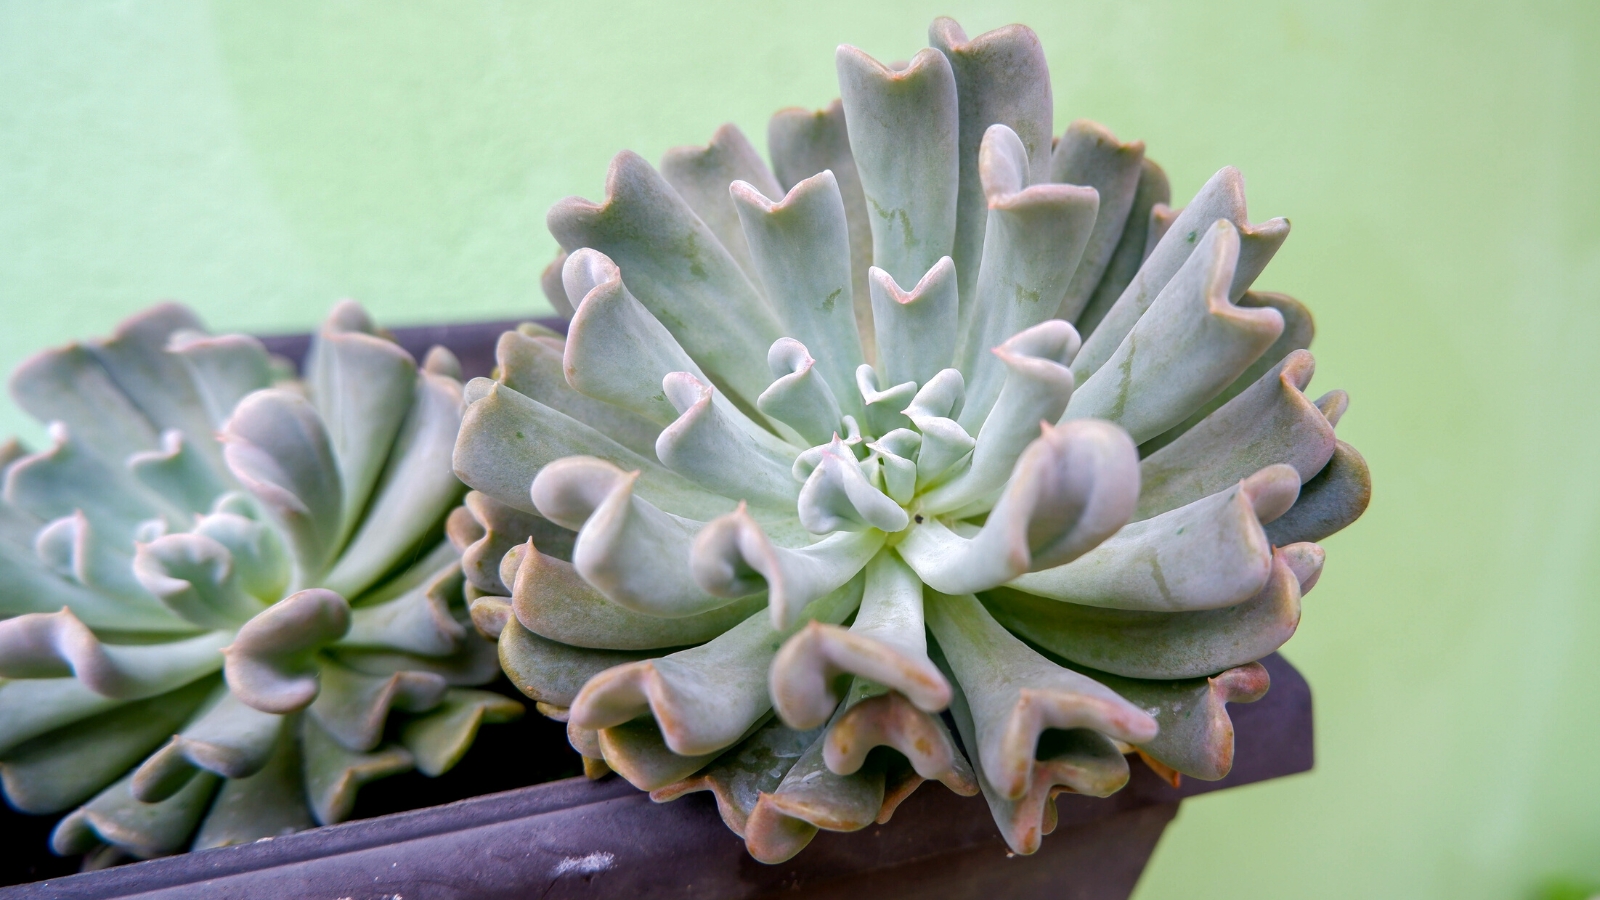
point(219, 581)
point(937, 412)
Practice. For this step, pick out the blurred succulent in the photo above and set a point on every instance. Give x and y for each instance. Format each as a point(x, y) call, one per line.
point(220, 581)
point(805, 417)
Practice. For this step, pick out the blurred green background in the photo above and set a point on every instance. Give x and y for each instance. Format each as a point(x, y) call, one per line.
point(1439, 162)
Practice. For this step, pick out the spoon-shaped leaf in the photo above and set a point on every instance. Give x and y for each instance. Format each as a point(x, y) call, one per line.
point(707, 446)
point(1190, 345)
point(1337, 496)
point(1035, 238)
point(552, 600)
point(1000, 77)
point(801, 249)
point(916, 329)
point(1220, 199)
point(702, 175)
point(271, 663)
point(1015, 694)
point(739, 777)
point(1090, 155)
point(705, 698)
point(677, 268)
point(1159, 645)
point(806, 142)
point(1074, 486)
point(733, 557)
point(887, 645)
point(1271, 422)
point(904, 133)
point(1206, 555)
point(58, 645)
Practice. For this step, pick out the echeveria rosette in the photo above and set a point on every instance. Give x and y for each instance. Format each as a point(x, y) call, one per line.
point(219, 581)
point(979, 420)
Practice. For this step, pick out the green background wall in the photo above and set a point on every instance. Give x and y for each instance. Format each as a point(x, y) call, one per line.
point(1439, 161)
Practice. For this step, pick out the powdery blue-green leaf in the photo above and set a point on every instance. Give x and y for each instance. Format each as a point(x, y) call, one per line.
point(803, 143)
point(617, 529)
point(483, 530)
point(799, 397)
point(916, 329)
point(146, 830)
point(733, 557)
point(155, 380)
point(178, 473)
point(1298, 330)
point(1001, 78)
point(1015, 694)
point(271, 663)
point(800, 246)
point(333, 774)
point(418, 621)
point(811, 797)
point(226, 737)
point(98, 559)
point(1073, 487)
point(838, 497)
point(904, 133)
point(707, 446)
point(702, 176)
point(552, 672)
point(68, 385)
point(739, 777)
point(278, 447)
point(875, 718)
point(1153, 192)
point(677, 268)
point(194, 576)
point(30, 707)
point(1190, 344)
point(69, 478)
point(507, 438)
point(553, 601)
point(58, 645)
point(1035, 238)
point(1160, 645)
point(533, 366)
point(1220, 199)
point(1271, 422)
point(1196, 736)
point(886, 645)
point(29, 585)
point(705, 698)
point(637, 751)
point(616, 351)
point(353, 707)
point(1206, 555)
point(361, 385)
point(268, 804)
point(225, 368)
point(1078, 760)
point(1334, 498)
point(440, 739)
point(1037, 388)
point(62, 768)
point(413, 494)
point(1089, 154)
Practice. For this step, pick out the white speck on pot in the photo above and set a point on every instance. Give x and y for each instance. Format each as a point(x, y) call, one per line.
point(586, 865)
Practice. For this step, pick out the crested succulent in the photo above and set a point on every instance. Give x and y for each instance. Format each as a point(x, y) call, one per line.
point(219, 581)
point(937, 412)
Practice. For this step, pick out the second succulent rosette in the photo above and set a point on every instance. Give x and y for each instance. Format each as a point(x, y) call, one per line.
point(219, 581)
point(937, 413)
